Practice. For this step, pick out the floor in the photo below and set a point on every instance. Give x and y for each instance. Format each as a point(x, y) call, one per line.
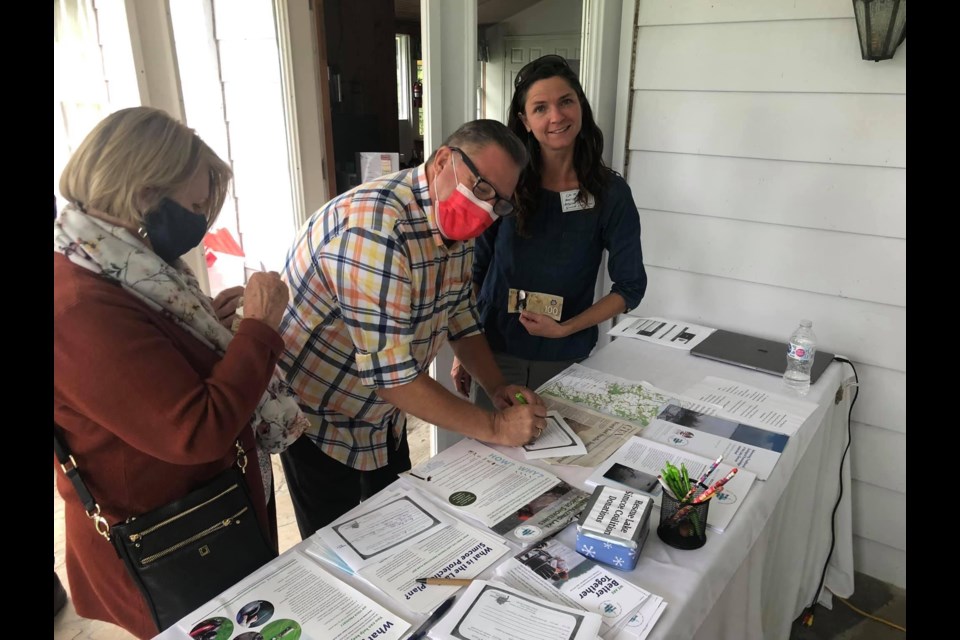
point(875, 597)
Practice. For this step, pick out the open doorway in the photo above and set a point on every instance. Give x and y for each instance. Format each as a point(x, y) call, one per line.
point(510, 40)
point(376, 108)
point(359, 37)
point(409, 92)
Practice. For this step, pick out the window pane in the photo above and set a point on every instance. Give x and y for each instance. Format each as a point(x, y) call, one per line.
point(420, 110)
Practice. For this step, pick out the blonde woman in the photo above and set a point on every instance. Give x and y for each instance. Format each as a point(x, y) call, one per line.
point(151, 390)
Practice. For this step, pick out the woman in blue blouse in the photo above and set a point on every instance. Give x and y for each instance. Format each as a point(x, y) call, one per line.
point(570, 208)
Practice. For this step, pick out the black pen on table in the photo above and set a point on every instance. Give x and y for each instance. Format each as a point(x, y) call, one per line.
point(438, 613)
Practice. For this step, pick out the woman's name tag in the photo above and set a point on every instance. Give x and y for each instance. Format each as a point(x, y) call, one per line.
point(569, 201)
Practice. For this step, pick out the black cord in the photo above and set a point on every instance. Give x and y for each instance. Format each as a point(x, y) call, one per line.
point(807, 618)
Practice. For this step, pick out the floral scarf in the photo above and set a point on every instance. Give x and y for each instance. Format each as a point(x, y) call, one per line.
point(115, 253)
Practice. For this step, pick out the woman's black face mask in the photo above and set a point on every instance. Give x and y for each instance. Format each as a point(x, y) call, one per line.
point(173, 229)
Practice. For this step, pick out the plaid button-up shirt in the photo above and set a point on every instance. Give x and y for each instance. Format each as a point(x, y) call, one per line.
point(374, 294)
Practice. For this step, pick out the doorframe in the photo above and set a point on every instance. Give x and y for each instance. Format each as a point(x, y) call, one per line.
point(302, 47)
point(449, 79)
point(624, 101)
point(448, 41)
point(600, 55)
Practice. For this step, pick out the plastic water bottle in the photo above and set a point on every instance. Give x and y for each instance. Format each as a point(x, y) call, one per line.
point(800, 354)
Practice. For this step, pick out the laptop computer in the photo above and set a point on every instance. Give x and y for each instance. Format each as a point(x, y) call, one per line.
point(754, 353)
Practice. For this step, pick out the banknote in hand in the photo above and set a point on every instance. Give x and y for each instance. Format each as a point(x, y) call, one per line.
point(519, 300)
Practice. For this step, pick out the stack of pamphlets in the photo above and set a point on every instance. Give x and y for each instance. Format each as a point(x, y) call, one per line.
point(399, 535)
point(555, 572)
point(518, 501)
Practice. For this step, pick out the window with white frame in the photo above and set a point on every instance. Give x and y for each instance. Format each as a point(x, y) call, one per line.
point(93, 73)
point(229, 75)
point(233, 97)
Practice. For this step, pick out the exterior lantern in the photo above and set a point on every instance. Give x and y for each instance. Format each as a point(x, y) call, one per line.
point(882, 25)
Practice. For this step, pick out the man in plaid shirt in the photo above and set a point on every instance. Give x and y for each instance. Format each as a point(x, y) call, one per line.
point(380, 279)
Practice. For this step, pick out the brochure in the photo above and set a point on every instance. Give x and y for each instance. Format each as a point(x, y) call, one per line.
point(638, 627)
point(452, 550)
point(629, 400)
point(518, 501)
point(601, 434)
point(752, 405)
point(458, 551)
point(494, 611)
point(292, 597)
point(555, 572)
point(741, 445)
point(670, 333)
point(382, 527)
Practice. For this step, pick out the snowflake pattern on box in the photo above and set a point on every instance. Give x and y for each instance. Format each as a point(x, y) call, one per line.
point(615, 555)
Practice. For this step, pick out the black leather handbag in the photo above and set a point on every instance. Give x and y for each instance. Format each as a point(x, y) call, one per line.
point(188, 551)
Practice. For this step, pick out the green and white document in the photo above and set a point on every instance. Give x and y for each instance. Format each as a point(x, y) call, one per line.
point(637, 402)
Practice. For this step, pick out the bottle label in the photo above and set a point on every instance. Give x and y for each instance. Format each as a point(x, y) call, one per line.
point(797, 352)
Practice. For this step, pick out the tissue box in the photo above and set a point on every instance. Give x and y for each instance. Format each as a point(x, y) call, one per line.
point(613, 526)
point(617, 556)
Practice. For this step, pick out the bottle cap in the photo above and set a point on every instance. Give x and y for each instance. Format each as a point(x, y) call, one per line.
point(806, 323)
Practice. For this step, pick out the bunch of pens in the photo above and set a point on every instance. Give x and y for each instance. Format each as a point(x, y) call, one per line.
point(683, 510)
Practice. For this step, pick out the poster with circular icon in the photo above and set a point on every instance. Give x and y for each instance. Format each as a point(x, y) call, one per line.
point(256, 613)
point(282, 629)
point(212, 629)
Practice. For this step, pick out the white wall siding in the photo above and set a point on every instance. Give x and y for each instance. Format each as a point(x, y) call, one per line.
point(880, 561)
point(768, 162)
point(772, 312)
point(883, 399)
point(878, 514)
point(792, 257)
point(816, 56)
point(871, 444)
point(846, 128)
point(852, 198)
point(653, 12)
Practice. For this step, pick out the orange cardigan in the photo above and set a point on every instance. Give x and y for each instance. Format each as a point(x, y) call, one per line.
point(149, 413)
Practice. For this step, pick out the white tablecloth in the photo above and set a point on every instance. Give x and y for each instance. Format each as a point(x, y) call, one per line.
point(752, 580)
point(755, 578)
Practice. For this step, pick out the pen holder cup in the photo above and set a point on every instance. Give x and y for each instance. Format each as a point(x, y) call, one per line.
point(682, 526)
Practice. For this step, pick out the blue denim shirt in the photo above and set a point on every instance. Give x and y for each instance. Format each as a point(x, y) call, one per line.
point(562, 257)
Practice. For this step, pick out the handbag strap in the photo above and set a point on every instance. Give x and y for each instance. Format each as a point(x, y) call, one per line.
point(69, 466)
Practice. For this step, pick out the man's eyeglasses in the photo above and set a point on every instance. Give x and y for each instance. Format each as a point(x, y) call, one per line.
point(551, 60)
point(484, 190)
